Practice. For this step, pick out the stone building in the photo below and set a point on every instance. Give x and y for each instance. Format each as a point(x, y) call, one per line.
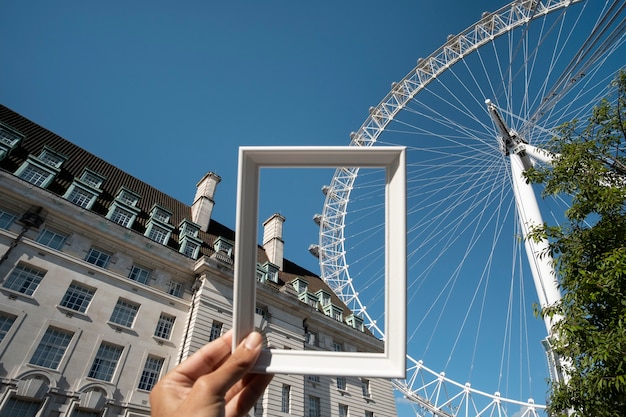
point(106, 283)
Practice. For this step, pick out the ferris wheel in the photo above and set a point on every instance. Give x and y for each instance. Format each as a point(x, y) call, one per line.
point(473, 115)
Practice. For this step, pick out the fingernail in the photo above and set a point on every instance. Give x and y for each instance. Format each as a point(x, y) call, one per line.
point(253, 340)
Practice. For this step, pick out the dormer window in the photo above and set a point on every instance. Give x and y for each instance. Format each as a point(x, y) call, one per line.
point(224, 245)
point(91, 178)
point(308, 298)
point(300, 285)
point(158, 234)
point(127, 197)
point(268, 271)
point(84, 191)
point(9, 136)
point(41, 170)
point(52, 158)
point(160, 214)
point(333, 311)
point(123, 210)
point(9, 140)
point(324, 297)
point(261, 273)
point(188, 228)
point(272, 271)
point(188, 239)
point(158, 227)
point(355, 321)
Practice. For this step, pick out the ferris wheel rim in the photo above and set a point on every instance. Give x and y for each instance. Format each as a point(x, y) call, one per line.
point(333, 264)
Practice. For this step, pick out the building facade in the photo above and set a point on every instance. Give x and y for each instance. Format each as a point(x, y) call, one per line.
point(106, 283)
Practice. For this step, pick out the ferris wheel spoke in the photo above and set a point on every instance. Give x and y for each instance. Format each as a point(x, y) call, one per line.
point(470, 286)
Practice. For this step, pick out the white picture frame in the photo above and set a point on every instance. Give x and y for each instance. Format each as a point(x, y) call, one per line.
point(392, 362)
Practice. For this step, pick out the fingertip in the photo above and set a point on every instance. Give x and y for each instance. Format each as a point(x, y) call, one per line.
point(253, 341)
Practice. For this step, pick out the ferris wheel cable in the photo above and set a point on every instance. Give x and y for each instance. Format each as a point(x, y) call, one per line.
point(472, 131)
point(469, 249)
point(343, 251)
point(445, 119)
point(571, 72)
point(542, 35)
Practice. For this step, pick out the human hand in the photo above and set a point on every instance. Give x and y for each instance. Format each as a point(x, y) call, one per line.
point(212, 382)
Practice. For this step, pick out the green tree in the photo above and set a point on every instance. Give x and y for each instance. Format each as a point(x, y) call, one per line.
point(589, 252)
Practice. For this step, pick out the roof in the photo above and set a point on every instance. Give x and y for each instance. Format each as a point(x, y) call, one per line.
point(37, 137)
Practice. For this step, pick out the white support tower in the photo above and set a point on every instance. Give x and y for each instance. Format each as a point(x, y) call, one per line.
point(522, 157)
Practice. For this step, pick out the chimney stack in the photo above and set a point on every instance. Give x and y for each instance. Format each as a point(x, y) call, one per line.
point(273, 239)
point(203, 202)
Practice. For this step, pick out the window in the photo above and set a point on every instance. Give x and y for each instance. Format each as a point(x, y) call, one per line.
point(158, 234)
point(51, 348)
point(158, 227)
point(310, 299)
point(188, 228)
point(355, 321)
point(272, 271)
point(85, 413)
point(337, 315)
point(313, 378)
point(24, 279)
point(98, 257)
point(164, 326)
point(190, 246)
point(324, 297)
point(77, 297)
point(84, 191)
point(285, 404)
point(365, 387)
point(160, 214)
point(314, 406)
point(262, 311)
point(50, 157)
point(105, 361)
point(80, 196)
point(150, 373)
point(343, 410)
point(333, 311)
point(189, 241)
point(51, 239)
point(311, 338)
point(34, 175)
point(6, 219)
point(337, 347)
point(123, 210)
point(224, 245)
point(9, 137)
point(41, 170)
point(124, 313)
point(22, 408)
point(216, 330)
point(260, 274)
point(300, 285)
point(128, 197)
point(341, 383)
point(91, 178)
point(175, 288)
point(6, 321)
point(122, 216)
point(369, 414)
point(140, 274)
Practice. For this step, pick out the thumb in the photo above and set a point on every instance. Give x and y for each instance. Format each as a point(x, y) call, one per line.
point(236, 366)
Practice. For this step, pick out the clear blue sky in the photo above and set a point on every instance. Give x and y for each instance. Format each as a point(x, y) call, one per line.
point(168, 91)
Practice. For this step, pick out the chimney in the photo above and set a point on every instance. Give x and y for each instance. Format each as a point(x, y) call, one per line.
point(203, 202)
point(273, 239)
